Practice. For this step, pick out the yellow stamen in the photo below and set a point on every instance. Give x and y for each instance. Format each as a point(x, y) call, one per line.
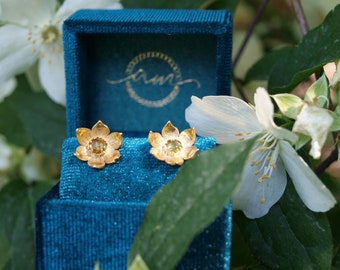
point(263, 177)
point(255, 163)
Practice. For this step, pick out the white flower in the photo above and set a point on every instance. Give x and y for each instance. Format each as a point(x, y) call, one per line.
point(314, 122)
point(7, 87)
point(5, 155)
point(36, 167)
point(32, 31)
point(229, 119)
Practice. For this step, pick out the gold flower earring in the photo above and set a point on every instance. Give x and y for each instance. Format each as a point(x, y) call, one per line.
point(98, 146)
point(171, 146)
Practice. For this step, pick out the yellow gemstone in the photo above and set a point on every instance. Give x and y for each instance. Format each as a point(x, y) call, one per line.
point(97, 146)
point(173, 147)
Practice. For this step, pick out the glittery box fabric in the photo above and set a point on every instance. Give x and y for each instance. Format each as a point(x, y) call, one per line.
point(134, 70)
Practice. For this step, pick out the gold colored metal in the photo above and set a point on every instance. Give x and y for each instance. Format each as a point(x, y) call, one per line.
point(98, 146)
point(171, 146)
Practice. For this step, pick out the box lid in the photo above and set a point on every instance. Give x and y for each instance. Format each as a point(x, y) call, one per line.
point(137, 69)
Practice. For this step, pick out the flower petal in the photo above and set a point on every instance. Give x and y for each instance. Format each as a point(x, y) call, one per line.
point(100, 130)
point(311, 190)
point(250, 193)
point(157, 153)
point(84, 136)
point(265, 113)
point(111, 156)
point(52, 76)
point(16, 53)
point(169, 131)
point(114, 140)
point(174, 160)
point(7, 87)
point(96, 162)
point(188, 152)
point(70, 6)
point(155, 139)
point(188, 136)
point(264, 108)
point(27, 12)
point(5, 154)
point(226, 118)
point(81, 153)
point(314, 122)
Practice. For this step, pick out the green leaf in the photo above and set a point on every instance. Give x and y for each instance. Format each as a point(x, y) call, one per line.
point(290, 236)
point(302, 141)
point(318, 47)
point(319, 92)
point(5, 251)
point(189, 203)
point(262, 69)
point(43, 120)
point(17, 207)
point(289, 104)
point(138, 264)
point(336, 259)
point(12, 127)
point(336, 122)
point(336, 119)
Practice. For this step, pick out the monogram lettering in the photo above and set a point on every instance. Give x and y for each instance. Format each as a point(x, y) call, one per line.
point(172, 79)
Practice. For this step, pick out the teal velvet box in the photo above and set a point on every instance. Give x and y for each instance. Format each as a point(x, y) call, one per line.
point(134, 70)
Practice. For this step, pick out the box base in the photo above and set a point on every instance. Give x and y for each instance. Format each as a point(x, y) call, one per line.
point(75, 234)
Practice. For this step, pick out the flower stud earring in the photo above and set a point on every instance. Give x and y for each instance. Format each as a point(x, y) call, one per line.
point(98, 146)
point(171, 146)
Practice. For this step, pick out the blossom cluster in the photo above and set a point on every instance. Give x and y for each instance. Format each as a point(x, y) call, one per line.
point(274, 155)
point(31, 32)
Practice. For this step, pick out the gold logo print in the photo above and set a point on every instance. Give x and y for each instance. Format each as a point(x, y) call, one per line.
point(173, 79)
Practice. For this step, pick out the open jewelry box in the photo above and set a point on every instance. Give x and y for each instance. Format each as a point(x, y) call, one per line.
point(134, 70)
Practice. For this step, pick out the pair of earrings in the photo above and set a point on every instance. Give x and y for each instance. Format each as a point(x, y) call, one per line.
point(100, 147)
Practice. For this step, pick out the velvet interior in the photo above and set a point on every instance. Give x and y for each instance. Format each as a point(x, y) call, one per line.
point(143, 98)
point(137, 69)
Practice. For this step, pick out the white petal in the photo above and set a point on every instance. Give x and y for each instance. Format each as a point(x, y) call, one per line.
point(222, 117)
point(16, 53)
point(7, 87)
point(265, 113)
point(314, 122)
point(311, 190)
point(5, 154)
point(27, 12)
point(70, 6)
point(264, 108)
point(52, 77)
point(250, 193)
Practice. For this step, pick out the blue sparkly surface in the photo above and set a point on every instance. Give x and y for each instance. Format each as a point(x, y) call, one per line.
point(93, 215)
point(135, 177)
point(75, 234)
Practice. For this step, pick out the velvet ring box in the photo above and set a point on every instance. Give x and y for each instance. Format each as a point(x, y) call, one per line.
point(134, 70)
